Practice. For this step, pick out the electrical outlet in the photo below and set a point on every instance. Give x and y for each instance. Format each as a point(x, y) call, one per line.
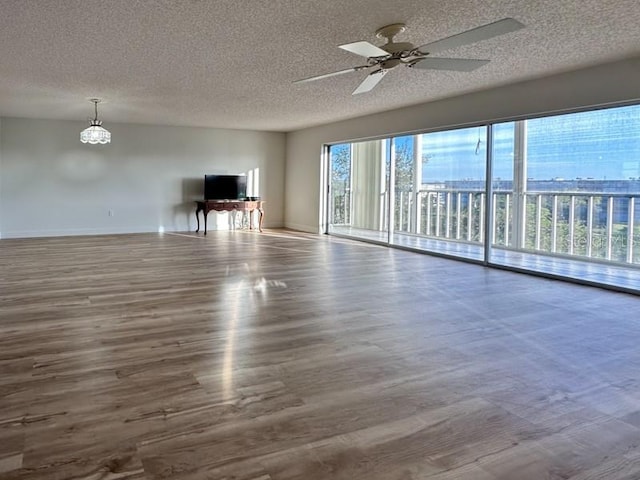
point(110, 213)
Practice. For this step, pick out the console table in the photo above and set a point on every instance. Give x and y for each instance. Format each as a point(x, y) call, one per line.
point(205, 206)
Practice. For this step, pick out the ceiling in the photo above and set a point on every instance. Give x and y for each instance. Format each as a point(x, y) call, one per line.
point(230, 63)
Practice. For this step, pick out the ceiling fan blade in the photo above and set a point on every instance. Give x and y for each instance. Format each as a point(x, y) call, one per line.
point(333, 74)
point(371, 81)
point(364, 49)
point(474, 35)
point(455, 64)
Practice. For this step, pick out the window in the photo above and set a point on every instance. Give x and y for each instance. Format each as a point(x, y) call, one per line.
point(563, 200)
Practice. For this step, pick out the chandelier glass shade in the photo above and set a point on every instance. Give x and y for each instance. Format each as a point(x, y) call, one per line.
point(95, 133)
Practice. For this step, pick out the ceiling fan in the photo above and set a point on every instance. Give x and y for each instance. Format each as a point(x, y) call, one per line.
point(390, 55)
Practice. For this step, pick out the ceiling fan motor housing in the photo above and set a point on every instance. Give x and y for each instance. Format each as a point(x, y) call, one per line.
point(400, 53)
point(396, 49)
point(390, 63)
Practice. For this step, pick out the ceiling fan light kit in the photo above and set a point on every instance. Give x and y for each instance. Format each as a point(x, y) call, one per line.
point(391, 54)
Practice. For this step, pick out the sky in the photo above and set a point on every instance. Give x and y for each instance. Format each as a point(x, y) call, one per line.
point(599, 144)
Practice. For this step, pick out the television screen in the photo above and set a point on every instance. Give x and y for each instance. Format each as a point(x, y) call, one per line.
point(225, 187)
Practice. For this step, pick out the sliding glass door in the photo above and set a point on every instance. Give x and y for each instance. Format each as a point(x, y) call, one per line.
point(422, 191)
point(563, 199)
point(358, 190)
point(567, 203)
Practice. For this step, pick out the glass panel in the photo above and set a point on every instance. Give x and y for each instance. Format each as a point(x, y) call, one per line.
point(340, 185)
point(359, 175)
point(564, 199)
point(404, 191)
point(440, 192)
point(634, 250)
point(571, 191)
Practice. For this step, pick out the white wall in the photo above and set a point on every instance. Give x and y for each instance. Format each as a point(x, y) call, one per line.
point(0, 177)
point(604, 84)
point(51, 184)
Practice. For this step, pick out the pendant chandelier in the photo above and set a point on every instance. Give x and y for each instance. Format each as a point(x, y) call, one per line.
point(95, 133)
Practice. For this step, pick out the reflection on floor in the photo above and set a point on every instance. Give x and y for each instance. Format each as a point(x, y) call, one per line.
point(620, 276)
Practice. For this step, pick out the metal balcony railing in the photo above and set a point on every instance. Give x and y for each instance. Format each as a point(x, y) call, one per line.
point(591, 225)
point(587, 224)
point(602, 226)
point(451, 214)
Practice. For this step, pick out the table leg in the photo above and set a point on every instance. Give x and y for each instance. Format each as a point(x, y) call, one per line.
point(205, 222)
point(198, 218)
point(261, 212)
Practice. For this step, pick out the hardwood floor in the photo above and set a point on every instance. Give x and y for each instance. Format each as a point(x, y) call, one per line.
point(283, 356)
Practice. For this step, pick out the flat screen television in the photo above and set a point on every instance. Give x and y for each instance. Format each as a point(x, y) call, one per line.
point(225, 187)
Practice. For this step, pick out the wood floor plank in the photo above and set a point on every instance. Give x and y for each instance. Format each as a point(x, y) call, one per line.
point(284, 355)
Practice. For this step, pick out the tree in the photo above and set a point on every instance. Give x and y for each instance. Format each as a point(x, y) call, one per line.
point(340, 165)
point(403, 185)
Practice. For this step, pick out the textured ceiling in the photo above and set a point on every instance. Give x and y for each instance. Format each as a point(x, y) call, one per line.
point(230, 63)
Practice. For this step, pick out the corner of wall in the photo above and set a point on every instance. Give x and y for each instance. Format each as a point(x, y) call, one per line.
point(303, 228)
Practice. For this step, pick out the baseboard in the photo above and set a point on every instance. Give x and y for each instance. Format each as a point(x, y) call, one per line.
point(76, 232)
point(273, 225)
point(302, 228)
point(108, 231)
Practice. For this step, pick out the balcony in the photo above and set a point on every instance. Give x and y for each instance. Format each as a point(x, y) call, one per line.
point(594, 237)
point(562, 199)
